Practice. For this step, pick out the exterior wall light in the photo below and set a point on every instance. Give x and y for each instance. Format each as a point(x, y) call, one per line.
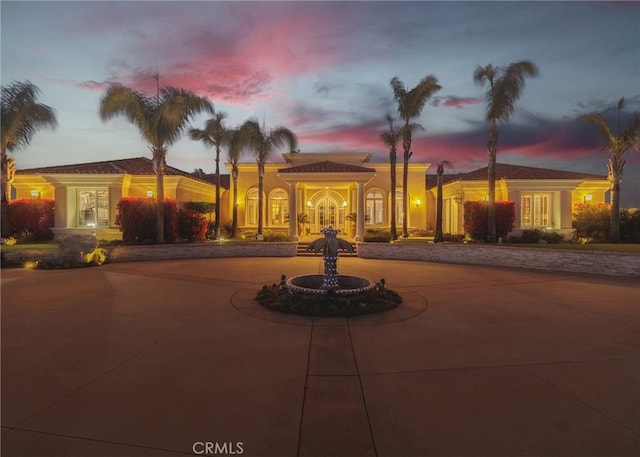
point(35, 193)
point(418, 201)
point(344, 203)
point(309, 203)
point(588, 198)
point(150, 193)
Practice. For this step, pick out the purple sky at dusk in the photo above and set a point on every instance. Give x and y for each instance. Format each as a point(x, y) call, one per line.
point(322, 69)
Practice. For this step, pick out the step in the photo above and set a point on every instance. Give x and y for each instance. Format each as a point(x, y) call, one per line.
point(302, 251)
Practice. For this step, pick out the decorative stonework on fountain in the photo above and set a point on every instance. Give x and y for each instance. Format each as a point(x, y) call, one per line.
point(331, 294)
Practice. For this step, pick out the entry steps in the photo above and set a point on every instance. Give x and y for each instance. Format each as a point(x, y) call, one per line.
point(302, 251)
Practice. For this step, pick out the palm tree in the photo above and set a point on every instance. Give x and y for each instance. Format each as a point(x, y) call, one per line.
point(21, 118)
point(263, 143)
point(215, 135)
point(410, 104)
point(390, 138)
point(505, 85)
point(439, 237)
point(234, 153)
point(161, 121)
point(616, 145)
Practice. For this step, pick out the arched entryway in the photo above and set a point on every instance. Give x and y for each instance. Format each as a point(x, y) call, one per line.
point(328, 207)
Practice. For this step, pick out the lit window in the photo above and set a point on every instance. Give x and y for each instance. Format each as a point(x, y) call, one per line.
point(399, 209)
point(534, 210)
point(374, 208)
point(93, 207)
point(279, 207)
point(252, 207)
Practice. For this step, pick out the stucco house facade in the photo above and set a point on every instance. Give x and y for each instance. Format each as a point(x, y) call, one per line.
point(344, 190)
point(544, 198)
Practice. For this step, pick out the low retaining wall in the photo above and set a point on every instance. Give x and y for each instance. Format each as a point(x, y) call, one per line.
point(167, 252)
point(200, 250)
point(597, 262)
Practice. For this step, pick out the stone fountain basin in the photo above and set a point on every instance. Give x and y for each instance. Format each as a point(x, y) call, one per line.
point(311, 284)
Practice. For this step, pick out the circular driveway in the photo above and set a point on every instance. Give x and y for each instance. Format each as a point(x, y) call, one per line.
point(163, 358)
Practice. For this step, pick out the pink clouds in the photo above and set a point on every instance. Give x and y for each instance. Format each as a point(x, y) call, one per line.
point(452, 101)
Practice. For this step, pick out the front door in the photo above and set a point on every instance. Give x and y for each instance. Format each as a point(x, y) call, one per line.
point(327, 209)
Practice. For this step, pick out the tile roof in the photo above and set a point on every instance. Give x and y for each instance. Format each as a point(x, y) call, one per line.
point(327, 167)
point(135, 166)
point(225, 180)
point(507, 171)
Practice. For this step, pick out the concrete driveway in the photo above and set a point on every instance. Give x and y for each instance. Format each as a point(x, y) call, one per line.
point(170, 358)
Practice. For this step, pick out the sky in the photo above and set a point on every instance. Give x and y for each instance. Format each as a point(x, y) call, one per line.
point(323, 70)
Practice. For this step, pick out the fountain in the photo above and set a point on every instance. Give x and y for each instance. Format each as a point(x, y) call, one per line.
point(330, 294)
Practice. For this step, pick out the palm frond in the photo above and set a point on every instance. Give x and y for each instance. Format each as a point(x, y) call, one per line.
point(602, 126)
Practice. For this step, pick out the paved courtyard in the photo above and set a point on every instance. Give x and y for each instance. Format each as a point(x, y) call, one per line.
point(173, 358)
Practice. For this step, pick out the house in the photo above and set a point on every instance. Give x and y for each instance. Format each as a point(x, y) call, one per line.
point(86, 195)
point(341, 189)
point(544, 198)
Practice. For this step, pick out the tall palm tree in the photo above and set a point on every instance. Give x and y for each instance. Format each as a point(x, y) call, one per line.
point(217, 136)
point(390, 138)
point(505, 86)
point(233, 157)
point(616, 144)
point(263, 143)
point(439, 237)
point(161, 121)
point(21, 117)
point(410, 105)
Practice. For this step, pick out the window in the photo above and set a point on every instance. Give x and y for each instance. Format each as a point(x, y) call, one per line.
point(279, 206)
point(93, 208)
point(252, 207)
point(534, 210)
point(374, 208)
point(399, 209)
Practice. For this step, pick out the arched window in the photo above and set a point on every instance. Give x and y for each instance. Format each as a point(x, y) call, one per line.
point(252, 207)
point(278, 207)
point(374, 205)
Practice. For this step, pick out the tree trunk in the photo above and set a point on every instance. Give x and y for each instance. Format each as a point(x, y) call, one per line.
point(439, 236)
point(406, 143)
point(491, 178)
point(4, 198)
point(614, 220)
point(216, 233)
point(394, 229)
point(234, 223)
point(158, 165)
point(260, 202)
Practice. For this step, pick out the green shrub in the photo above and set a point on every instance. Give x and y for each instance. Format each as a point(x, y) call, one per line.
point(591, 220)
point(630, 225)
point(276, 237)
point(552, 237)
point(376, 236)
point(201, 207)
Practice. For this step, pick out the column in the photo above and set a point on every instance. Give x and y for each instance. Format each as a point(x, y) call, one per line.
point(361, 212)
point(293, 213)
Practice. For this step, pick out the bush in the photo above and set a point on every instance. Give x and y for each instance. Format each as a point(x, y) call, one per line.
point(476, 218)
point(226, 229)
point(376, 236)
point(630, 225)
point(137, 220)
point(192, 225)
point(552, 237)
point(591, 220)
point(201, 207)
point(276, 237)
point(31, 219)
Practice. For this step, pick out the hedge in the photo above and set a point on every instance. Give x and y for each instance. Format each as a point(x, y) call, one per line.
point(137, 220)
point(31, 219)
point(192, 225)
point(476, 218)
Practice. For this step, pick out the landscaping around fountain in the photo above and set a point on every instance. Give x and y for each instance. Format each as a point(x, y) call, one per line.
point(330, 294)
